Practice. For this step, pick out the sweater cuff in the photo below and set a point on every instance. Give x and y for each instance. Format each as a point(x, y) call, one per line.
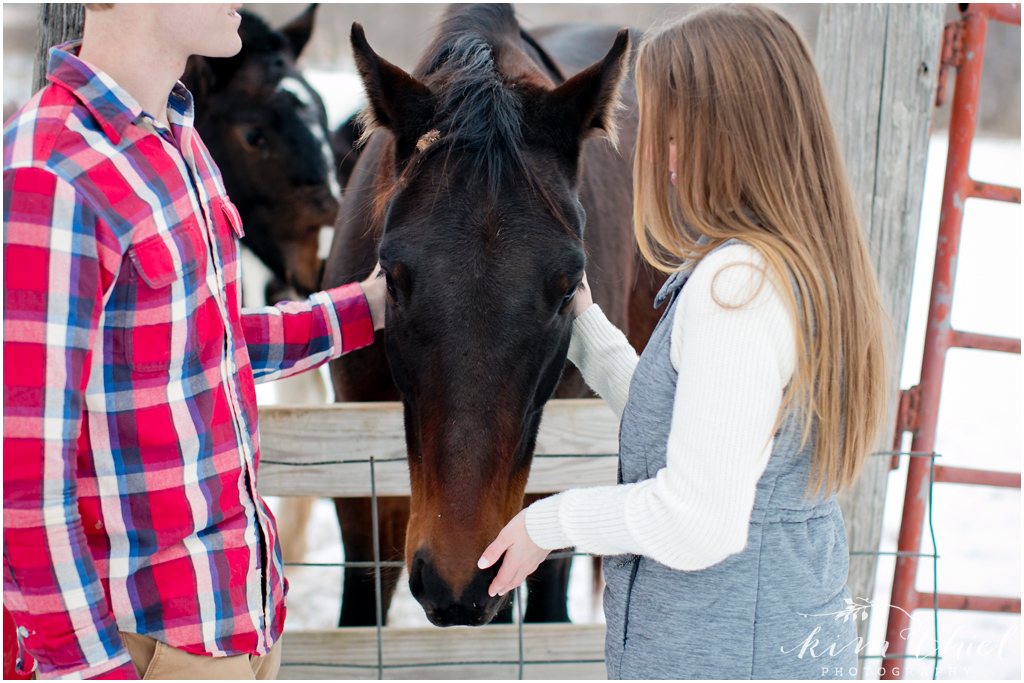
point(586, 328)
point(592, 519)
point(543, 523)
point(595, 519)
point(604, 357)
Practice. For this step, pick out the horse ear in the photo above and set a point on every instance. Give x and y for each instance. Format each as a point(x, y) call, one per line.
point(299, 29)
point(397, 101)
point(588, 100)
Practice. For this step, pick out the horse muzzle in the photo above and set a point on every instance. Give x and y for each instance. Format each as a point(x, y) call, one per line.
point(471, 607)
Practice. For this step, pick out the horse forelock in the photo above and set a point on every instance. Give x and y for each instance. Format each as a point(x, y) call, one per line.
point(479, 73)
point(478, 112)
point(477, 67)
point(300, 90)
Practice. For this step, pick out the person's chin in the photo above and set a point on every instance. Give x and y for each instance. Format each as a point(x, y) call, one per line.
point(235, 48)
point(226, 48)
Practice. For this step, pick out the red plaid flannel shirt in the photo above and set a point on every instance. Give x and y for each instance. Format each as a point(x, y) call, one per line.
point(130, 425)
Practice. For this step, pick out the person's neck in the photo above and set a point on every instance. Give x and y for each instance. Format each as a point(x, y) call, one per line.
point(136, 64)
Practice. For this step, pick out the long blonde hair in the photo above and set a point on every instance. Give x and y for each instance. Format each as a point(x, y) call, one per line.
point(736, 89)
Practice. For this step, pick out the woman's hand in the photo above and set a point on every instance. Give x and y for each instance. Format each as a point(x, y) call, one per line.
point(522, 556)
point(375, 289)
point(583, 298)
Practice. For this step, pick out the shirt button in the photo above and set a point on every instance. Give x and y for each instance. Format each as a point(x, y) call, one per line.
point(23, 632)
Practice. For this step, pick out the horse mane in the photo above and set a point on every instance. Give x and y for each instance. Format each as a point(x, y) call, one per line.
point(478, 111)
point(493, 22)
point(477, 108)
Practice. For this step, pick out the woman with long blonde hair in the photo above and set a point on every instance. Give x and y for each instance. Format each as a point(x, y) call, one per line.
point(761, 392)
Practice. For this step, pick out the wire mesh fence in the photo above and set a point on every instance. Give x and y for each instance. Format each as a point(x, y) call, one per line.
point(576, 446)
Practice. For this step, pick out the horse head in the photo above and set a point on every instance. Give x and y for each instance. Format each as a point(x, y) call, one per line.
point(267, 129)
point(482, 248)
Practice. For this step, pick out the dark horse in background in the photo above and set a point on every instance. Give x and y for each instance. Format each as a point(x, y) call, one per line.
point(473, 192)
point(267, 130)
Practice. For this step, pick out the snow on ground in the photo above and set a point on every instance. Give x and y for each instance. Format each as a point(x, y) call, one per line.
point(978, 529)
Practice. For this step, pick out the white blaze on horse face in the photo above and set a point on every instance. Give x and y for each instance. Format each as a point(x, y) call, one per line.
point(308, 114)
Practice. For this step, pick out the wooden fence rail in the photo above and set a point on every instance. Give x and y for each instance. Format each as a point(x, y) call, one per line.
point(326, 450)
point(550, 651)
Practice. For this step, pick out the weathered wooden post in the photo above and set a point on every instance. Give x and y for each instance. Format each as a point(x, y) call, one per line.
point(879, 65)
point(58, 23)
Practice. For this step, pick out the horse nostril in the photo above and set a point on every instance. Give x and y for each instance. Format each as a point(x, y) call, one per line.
point(472, 607)
point(416, 574)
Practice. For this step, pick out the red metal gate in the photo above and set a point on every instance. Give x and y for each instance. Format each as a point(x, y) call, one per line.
point(963, 49)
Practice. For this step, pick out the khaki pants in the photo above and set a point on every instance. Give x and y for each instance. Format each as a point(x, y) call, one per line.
point(155, 660)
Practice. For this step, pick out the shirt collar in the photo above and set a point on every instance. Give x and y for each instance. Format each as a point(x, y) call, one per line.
point(672, 285)
point(112, 106)
point(677, 279)
point(181, 115)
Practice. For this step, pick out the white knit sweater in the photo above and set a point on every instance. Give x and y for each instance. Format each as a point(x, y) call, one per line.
point(734, 351)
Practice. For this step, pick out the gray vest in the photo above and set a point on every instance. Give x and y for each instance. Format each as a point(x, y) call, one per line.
point(769, 611)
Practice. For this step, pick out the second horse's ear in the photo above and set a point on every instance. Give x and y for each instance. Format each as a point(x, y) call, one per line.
point(397, 101)
point(587, 101)
point(299, 29)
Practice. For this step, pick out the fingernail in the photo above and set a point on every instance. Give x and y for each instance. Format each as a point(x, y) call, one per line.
point(481, 563)
point(490, 592)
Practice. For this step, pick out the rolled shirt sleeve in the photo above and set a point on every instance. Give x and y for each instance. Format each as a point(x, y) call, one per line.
point(297, 336)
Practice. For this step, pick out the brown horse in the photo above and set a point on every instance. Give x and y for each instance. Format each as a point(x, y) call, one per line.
point(473, 192)
point(267, 129)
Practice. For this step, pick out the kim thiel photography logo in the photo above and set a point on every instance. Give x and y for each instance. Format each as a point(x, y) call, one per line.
point(949, 657)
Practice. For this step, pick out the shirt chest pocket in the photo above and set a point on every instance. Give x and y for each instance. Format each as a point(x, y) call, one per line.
point(228, 226)
point(161, 289)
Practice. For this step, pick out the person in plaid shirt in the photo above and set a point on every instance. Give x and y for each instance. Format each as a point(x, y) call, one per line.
point(133, 528)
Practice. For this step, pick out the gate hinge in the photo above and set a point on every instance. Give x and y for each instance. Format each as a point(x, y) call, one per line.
point(907, 418)
point(909, 411)
point(952, 56)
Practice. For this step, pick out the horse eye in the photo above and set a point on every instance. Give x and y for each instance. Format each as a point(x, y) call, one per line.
point(392, 292)
point(254, 138)
point(567, 299)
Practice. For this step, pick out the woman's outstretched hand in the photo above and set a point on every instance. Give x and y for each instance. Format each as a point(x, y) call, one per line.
point(375, 290)
point(583, 298)
point(522, 556)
